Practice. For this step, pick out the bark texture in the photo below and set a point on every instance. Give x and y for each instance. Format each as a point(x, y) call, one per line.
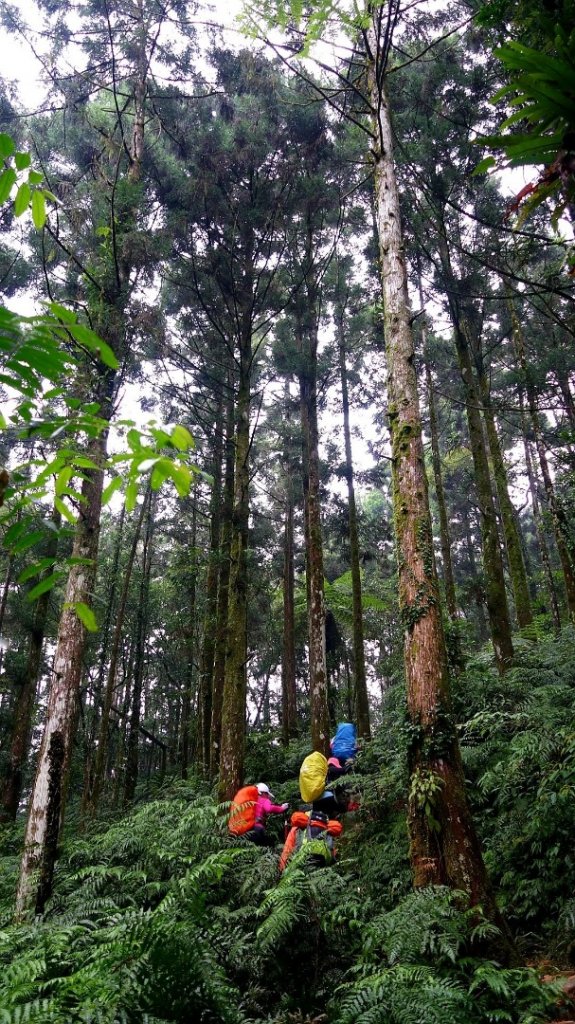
point(449, 854)
point(47, 800)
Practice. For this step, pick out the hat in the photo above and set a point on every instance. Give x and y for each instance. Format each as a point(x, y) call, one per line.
point(262, 788)
point(334, 761)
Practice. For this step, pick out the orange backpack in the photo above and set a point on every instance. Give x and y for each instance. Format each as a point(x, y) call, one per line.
point(243, 811)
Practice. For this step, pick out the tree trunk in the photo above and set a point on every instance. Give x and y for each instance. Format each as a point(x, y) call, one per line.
point(449, 854)
point(289, 692)
point(101, 761)
point(207, 655)
point(361, 695)
point(223, 589)
point(560, 525)
point(97, 692)
point(185, 722)
point(444, 538)
point(537, 519)
point(26, 693)
point(47, 800)
point(475, 575)
point(515, 558)
point(308, 337)
point(494, 576)
point(4, 598)
point(131, 770)
point(235, 676)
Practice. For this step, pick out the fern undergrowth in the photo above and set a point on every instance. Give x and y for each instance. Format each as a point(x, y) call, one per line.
point(160, 917)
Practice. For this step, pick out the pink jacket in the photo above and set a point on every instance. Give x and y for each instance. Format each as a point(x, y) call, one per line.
point(264, 807)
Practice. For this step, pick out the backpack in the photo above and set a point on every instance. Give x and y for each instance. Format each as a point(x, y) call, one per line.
point(312, 776)
point(243, 811)
point(343, 745)
point(322, 849)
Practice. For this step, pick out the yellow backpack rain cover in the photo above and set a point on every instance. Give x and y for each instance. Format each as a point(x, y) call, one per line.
point(312, 776)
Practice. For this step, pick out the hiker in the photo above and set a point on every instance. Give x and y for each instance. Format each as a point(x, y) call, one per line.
point(343, 746)
point(311, 827)
point(332, 803)
point(249, 810)
point(264, 806)
point(335, 769)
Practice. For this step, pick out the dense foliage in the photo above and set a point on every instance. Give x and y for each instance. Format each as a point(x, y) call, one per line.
point(281, 284)
point(161, 916)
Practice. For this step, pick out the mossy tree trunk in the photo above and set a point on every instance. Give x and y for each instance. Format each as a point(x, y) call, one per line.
point(448, 851)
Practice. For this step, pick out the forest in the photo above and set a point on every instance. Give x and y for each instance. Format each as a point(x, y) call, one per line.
point(287, 441)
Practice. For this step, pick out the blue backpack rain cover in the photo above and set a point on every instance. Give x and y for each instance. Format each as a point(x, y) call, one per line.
point(344, 744)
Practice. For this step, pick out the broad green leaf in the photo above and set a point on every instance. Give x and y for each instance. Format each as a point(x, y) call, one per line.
point(35, 177)
point(134, 439)
point(22, 161)
point(86, 616)
point(61, 312)
point(38, 209)
point(131, 495)
point(182, 478)
point(181, 438)
point(94, 344)
point(7, 146)
point(161, 472)
point(8, 178)
point(35, 569)
point(22, 200)
point(28, 541)
point(484, 165)
point(3, 424)
point(161, 437)
point(64, 510)
point(63, 479)
point(111, 488)
point(15, 531)
point(44, 585)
